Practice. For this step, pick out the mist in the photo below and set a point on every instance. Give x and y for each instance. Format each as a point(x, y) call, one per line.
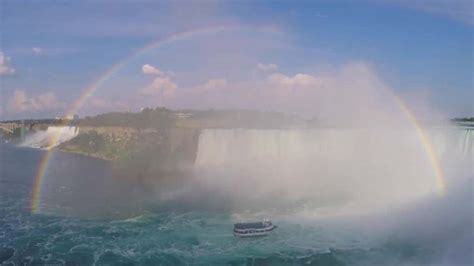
point(364, 152)
point(236, 133)
point(361, 162)
point(364, 167)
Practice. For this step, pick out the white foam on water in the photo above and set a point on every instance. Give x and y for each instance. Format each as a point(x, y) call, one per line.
point(47, 139)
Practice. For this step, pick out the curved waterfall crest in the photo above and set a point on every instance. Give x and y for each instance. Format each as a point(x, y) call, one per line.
point(359, 165)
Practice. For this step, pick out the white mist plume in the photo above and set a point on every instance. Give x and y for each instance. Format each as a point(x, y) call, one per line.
point(370, 167)
point(365, 153)
point(44, 139)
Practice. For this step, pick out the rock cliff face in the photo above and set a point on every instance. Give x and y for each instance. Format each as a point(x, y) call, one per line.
point(108, 143)
point(137, 150)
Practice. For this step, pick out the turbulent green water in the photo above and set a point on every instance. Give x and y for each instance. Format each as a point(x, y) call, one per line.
point(87, 216)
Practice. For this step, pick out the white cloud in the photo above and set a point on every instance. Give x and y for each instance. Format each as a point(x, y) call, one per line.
point(37, 50)
point(151, 70)
point(5, 69)
point(21, 102)
point(303, 80)
point(352, 94)
point(213, 84)
point(161, 87)
point(267, 67)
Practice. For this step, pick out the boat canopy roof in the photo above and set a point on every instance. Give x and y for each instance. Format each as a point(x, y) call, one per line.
point(256, 225)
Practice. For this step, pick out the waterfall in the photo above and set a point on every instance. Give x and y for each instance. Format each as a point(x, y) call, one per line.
point(43, 139)
point(375, 167)
point(467, 142)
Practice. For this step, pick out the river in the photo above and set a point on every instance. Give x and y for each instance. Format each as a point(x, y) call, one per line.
point(88, 215)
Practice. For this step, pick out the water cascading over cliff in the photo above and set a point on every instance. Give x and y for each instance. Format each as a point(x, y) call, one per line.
point(53, 136)
point(367, 167)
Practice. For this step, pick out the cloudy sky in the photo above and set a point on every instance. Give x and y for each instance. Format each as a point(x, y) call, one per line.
point(308, 57)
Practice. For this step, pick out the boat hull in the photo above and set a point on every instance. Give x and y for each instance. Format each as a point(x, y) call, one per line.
point(254, 232)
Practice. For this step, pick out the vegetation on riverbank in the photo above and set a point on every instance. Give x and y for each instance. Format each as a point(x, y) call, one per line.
point(93, 142)
point(162, 118)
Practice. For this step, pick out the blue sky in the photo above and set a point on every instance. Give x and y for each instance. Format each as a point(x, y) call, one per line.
point(280, 53)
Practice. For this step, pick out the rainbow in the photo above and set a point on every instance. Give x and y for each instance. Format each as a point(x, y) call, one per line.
point(89, 91)
point(427, 145)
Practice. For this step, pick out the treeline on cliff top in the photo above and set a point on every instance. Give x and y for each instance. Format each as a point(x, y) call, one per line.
point(463, 119)
point(147, 118)
point(162, 118)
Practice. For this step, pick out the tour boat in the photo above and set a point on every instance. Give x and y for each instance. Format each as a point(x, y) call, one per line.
point(253, 229)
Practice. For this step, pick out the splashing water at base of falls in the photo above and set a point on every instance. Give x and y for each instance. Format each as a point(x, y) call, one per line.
point(50, 138)
point(360, 167)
